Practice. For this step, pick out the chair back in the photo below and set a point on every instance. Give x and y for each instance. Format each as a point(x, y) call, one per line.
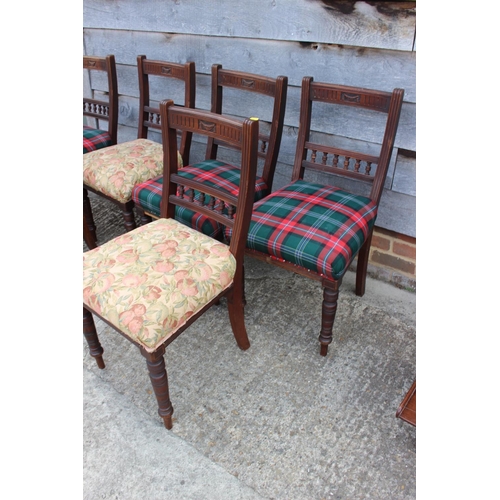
point(357, 166)
point(244, 83)
point(215, 203)
point(149, 115)
point(102, 109)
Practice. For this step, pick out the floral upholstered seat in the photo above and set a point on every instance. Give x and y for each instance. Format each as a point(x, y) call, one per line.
point(152, 283)
point(115, 170)
point(94, 139)
point(149, 281)
point(213, 173)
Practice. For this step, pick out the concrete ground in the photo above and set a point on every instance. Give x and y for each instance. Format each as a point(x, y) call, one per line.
point(277, 421)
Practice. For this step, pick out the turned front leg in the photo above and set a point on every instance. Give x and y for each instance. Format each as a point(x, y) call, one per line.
point(129, 217)
point(329, 309)
point(90, 333)
point(158, 376)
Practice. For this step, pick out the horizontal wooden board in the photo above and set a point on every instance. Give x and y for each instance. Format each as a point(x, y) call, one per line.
point(397, 212)
point(388, 25)
point(362, 67)
point(405, 176)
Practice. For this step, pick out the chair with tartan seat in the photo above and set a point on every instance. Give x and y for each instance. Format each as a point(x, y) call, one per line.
point(152, 283)
point(312, 227)
point(101, 110)
point(242, 89)
point(113, 172)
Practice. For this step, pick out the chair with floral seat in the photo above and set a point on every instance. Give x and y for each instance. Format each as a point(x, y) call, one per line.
point(102, 109)
point(153, 282)
point(112, 172)
point(314, 227)
point(243, 88)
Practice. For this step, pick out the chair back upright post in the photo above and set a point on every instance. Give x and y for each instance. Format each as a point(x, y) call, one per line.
point(149, 116)
point(386, 102)
point(101, 109)
point(224, 206)
point(275, 88)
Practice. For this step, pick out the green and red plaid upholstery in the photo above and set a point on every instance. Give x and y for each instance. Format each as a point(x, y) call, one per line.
point(320, 228)
point(214, 173)
point(94, 138)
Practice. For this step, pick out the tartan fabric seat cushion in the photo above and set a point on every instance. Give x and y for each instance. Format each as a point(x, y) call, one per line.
point(148, 282)
point(115, 170)
point(320, 228)
point(94, 138)
point(213, 173)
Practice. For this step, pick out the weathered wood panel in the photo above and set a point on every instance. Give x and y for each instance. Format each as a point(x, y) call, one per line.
point(397, 213)
point(405, 176)
point(362, 67)
point(388, 25)
point(366, 44)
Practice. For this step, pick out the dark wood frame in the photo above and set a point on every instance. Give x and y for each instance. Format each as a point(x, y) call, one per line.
point(385, 102)
point(407, 410)
point(101, 109)
point(243, 135)
point(274, 88)
point(269, 144)
point(149, 118)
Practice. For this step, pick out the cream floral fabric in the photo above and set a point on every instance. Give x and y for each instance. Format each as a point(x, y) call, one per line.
point(115, 170)
point(149, 281)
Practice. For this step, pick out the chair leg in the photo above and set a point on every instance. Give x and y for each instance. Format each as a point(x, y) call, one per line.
point(129, 217)
point(143, 217)
point(236, 308)
point(158, 375)
point(87, 214)
point(87, 236)
point(329, 309)
point(362, 266)
point(90, 333)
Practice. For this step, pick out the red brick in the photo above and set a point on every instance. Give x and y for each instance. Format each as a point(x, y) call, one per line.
point(393, 234)
point(393, 262)
point(380, 242)
point(404, 250)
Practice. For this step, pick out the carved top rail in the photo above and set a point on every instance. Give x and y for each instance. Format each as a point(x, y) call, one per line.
point(247, 81)
point(97, 63)
point(162, 68)
point(220, 128)
point(375, 100)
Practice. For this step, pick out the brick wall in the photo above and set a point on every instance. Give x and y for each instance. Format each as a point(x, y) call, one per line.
point(393, 258)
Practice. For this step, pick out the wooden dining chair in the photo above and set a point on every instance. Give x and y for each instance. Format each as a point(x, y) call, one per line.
point(152, 283)
point(113, 172)
point(313, 227)
point(244, 88)
point(102, 112)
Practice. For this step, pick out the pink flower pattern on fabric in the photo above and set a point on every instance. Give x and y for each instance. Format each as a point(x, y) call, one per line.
point(115, 170)
point(151, 280)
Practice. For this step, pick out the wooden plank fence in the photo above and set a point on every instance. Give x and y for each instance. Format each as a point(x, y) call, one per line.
point(367, 44)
